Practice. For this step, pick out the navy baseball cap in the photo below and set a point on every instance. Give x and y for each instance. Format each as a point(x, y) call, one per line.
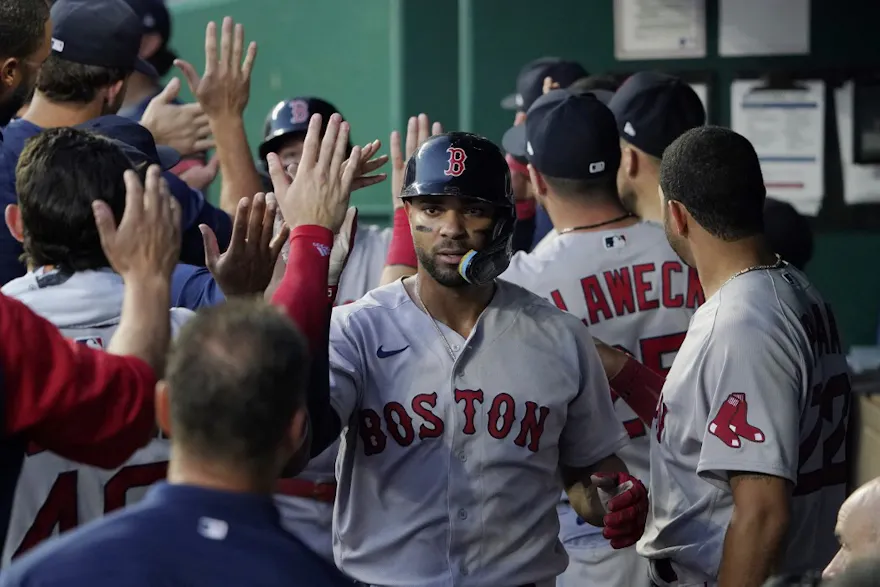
point(135, 140)
point(566, 134)
point(530, 81)
point(155, 18)
point(653, 109)
point(105, 33)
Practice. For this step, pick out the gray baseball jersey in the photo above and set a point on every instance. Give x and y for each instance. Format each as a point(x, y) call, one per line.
point(363, 271)
point(54, 494)
point(760, 384)
point(448, 468)
point(633, 292)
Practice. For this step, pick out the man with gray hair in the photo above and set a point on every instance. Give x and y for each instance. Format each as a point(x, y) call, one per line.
point(858, 528)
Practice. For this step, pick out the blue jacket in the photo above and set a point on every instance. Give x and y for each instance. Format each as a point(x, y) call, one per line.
point(178, 535)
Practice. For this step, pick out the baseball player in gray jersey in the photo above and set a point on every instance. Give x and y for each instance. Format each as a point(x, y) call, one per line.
point(469, 402)
point(70, 283)
point(748, 459)
point(284, 134)
point(614, 272)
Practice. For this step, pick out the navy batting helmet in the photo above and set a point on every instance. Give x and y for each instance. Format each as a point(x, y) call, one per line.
point(466, 165)
point(291, 117)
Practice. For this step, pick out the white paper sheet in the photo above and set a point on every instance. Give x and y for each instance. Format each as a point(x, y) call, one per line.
point(861, 183)
point(764, 27)
point(659, 29)
point(702, 90)
point(787, 129)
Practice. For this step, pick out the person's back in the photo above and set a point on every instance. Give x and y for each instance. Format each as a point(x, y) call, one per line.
point(55, 494)
point(71, 284)
point(169, 537)
point(233, 406)
point(618, 275)
point(630, 288)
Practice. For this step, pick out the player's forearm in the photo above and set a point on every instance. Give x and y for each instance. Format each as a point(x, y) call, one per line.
point(237, 168)
point(583, 495)
point(145, 326)
point(751, 546)
point(303, 295)
point(637, 385)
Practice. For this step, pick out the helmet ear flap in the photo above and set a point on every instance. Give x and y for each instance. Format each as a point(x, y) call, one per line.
point(480, 267)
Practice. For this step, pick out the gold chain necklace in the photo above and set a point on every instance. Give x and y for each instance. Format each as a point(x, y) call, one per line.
point(433, 321)
point(778, 264)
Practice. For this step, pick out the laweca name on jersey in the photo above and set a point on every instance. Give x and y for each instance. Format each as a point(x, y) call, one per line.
point(629, 289)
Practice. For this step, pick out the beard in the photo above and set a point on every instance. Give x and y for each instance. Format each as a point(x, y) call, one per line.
point(678, 244)
point(19, 97)
point(112, 107)
point(444, 275)
point(628, 198)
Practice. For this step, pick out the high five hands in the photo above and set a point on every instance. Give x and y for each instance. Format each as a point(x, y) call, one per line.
point(319, 190)
point(418, 130)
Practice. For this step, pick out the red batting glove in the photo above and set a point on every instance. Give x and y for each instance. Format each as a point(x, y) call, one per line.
point(627, 507)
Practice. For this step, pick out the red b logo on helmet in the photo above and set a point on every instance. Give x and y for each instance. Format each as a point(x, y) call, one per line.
point(457, 157)
point(299, 112)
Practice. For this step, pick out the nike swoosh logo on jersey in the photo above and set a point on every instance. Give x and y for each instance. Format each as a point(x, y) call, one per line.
point(383, 354)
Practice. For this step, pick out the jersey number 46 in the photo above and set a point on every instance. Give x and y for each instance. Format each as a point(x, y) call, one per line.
point(61, 508)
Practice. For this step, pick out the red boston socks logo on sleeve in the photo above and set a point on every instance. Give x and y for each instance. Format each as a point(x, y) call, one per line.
point(731, 422)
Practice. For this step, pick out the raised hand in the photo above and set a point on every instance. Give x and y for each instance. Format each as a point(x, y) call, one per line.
point(184, 127)
point(224, 87)
point(418, 130)
point(368, 164)
point(146, 244)
point(320, 191)
point(549, 85)
point(247, 265)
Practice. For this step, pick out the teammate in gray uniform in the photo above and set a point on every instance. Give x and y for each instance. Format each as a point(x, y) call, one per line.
point(616, 273)
point(469, 402)
point(748, 459)
point(71, 284)
point(284, 134)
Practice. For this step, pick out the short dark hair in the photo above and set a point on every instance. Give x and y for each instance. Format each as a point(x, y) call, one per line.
point(598, 81)
point(715, 173)
point(237, 374)
point(66, 81)
point(60, 172)
point(22, 26)
point(584, 189)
